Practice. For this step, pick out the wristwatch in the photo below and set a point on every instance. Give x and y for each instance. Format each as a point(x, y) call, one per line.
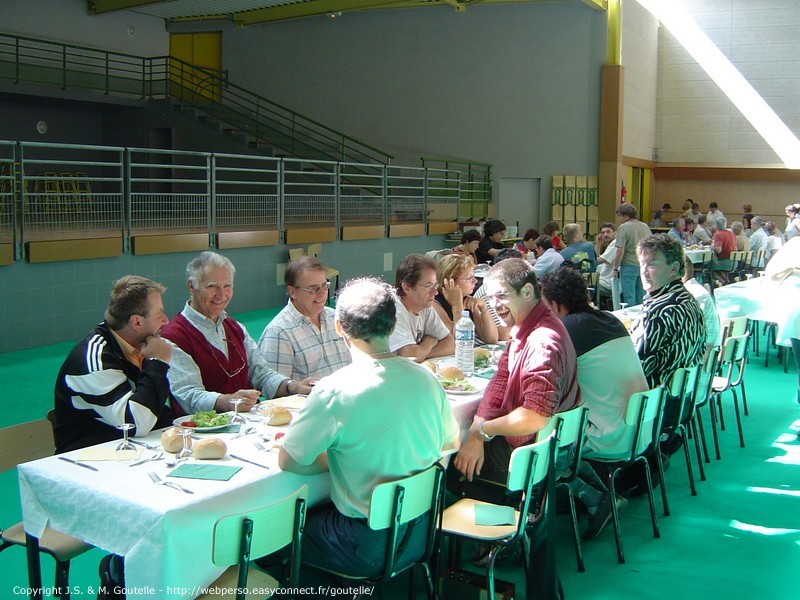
point(289, 383)
point(484, 435)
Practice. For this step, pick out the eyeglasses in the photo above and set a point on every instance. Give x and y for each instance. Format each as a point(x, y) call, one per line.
point(429, 286)
point(316, 289)
point(498, 296)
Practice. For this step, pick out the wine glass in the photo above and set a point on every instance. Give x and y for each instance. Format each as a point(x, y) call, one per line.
point(125, 445)
point(493, 359)
point(186, 451)
point(624, 307)
point(237, 418)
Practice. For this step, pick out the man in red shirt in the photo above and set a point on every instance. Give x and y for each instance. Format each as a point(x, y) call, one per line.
point(723, 243)
point(536, 378)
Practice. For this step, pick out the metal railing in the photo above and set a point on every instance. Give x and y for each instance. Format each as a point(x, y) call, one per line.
point(68, 66)
point(67, 191)
point(474, 185)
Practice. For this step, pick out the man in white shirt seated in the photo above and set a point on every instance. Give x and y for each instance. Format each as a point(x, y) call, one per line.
point(758, 237)
point(547, 258)
point(701, 234)
point(301, 341)
point(605, 264)
point(706, 302)
point(419, 333)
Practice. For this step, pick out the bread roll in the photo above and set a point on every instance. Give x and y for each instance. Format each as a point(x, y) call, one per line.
point(172, 442)
point(430, 365)
point(280, 416)
point(452, 373)
point(210, 449)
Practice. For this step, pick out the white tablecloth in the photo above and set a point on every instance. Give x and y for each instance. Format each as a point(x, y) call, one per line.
point(763, 299)
point(165, 534)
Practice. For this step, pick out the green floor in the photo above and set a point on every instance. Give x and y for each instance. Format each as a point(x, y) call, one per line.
point(739, 538)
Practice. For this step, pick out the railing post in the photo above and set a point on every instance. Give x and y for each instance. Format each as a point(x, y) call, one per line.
point(127, 202)
point(18, 201)
point(108, 74)
point(385, 185)
point(425, 200)
point(281, 201)
point(211, 188)
point(337, 206)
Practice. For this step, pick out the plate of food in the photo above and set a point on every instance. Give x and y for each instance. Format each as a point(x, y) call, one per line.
point(483, 359)
point(208, 420)
point(454, 382)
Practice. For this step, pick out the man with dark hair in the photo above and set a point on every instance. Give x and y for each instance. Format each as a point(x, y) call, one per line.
point(216, 362)
point(701, 234)
point(547, 259)
point(606, 249)
point(609, 371)
point(669, 332)
point(301, 341)
point(420, 333)
point(502, 331)
point(353, 425)
point(118, 373)
point(492, 242)
point(626, 265)
point(536, 378)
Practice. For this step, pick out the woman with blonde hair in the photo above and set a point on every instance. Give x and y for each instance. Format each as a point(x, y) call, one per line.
point(456, 277)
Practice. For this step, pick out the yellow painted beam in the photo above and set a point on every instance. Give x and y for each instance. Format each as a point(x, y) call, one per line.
point(104, 6)
point(614, 33)
point(597, 4)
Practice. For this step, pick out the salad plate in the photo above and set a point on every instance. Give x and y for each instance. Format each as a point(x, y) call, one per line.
point(203, 417)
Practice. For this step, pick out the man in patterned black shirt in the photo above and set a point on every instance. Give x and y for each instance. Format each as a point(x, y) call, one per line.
point(669, 332)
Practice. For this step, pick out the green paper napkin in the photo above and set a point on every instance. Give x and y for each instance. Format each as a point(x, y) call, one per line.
point(490, 514)
point(486, 374)
point(212, 472)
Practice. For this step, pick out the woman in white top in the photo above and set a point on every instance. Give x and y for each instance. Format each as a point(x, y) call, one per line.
point(792, 221)
point(773, 242)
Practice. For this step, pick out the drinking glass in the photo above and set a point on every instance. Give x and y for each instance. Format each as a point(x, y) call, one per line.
point(494, 358)
point(237, 418)
point(186, 451)
point(125, 445)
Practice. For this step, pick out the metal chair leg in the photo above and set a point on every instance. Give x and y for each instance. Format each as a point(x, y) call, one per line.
point(700, 466)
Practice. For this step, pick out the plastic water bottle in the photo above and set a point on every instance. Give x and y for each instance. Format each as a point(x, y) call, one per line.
point(465, 342)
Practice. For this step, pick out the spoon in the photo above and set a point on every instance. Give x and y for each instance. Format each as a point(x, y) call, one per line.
point(175, 461)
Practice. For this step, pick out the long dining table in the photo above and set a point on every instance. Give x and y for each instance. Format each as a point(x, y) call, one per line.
point(164, 534)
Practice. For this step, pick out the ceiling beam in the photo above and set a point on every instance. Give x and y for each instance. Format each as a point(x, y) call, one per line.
point(597, 4)
point(306, 9)
point(103, 6)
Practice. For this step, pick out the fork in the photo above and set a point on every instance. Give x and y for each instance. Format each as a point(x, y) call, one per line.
point(157, 480)
point(247, 431)
point(158, 456)
point(259, 446)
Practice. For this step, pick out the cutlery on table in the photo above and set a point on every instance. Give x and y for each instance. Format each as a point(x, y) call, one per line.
point(246, 431)
point(260, 446)
point(175, 461)
point(158, 481)
point(247, 460)
point(145, 444)
point(79, 463)
point(158, 456)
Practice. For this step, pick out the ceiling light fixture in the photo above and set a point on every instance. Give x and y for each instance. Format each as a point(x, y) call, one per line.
point(738, 90)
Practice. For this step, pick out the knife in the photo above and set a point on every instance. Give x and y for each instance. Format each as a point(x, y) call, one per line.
point(80, 464)
point(248, 461)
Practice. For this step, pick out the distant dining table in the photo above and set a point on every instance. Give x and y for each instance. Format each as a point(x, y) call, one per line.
point(164, 534)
